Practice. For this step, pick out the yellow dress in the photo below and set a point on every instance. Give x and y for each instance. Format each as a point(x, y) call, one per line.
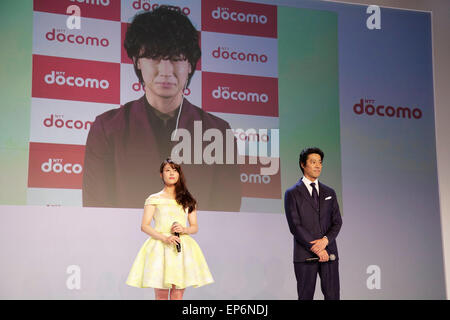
point(159, 265)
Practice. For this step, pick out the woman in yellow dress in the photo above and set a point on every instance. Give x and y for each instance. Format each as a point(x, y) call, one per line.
point(159, 264)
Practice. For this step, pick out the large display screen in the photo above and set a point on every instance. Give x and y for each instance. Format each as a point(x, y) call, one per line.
point(80, 152)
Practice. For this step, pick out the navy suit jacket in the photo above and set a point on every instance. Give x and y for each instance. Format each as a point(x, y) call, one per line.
point(308, 222)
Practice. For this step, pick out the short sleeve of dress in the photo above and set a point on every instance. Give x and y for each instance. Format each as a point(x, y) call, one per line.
point(151, 200)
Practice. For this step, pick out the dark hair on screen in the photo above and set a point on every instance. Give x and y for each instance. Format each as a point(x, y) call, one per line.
point(182, 195)
point(166, 33)
point(306, 152)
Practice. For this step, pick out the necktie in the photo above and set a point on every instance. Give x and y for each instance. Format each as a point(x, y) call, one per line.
point(315, 195)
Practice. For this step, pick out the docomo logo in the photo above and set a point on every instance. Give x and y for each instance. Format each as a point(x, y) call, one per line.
point(104, 3)
point(57, 166)
point(59, 78)
point(138, 87)
point(250, 135)
point(224, 14)
point(225, 93)
point(389, 111)
point(147, 6)
point(222, 52)
point(255, 178)
point(71, 124)
point(60, 36)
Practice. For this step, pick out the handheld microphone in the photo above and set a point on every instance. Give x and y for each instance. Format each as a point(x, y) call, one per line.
point(316, 259)
point(178, 235)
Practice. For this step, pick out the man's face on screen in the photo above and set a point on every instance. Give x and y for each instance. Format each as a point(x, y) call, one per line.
point(313, 166)
point(164, 78)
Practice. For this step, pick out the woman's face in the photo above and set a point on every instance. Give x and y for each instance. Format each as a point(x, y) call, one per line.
point(170, 175)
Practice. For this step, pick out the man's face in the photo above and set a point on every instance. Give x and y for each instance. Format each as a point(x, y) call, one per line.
point(313, 166)
point(164, 78)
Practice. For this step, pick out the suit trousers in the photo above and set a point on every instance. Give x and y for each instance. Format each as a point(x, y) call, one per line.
point(306, 275)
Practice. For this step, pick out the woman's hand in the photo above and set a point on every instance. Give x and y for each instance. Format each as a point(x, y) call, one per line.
point(172, 240)
point(176, 227)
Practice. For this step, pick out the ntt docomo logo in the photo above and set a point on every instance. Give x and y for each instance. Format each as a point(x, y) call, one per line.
point(225, 93)
point(368, 107)
point(58, 166)
point(60, 79)
point(60, 36)
point(225, 14)
point(225, 53)
point(147, 6)
point(58, 121)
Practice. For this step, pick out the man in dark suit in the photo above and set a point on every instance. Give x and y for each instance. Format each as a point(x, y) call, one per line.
point(314, 219)
point(126, 146)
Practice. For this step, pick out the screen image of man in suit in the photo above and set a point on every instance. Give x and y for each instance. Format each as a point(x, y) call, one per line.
point(314, 219)
point(126, 146)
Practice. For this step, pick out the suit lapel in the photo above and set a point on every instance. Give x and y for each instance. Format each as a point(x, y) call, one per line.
point(141, 136)
point(321, 196)
point(305, 193)
point(186, 121)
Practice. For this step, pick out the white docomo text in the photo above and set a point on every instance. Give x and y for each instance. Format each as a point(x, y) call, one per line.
point(57, 166)
point(60, 79)
point(225, 53)
point(225, 14)
point(226, 94)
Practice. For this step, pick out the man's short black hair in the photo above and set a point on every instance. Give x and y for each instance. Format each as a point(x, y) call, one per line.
point(306, 152)
point(166, 33)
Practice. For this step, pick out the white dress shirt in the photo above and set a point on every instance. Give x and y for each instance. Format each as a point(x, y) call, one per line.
point(307, 183)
